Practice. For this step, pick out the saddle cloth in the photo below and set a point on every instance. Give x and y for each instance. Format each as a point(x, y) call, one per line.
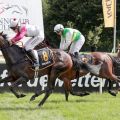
point(87, 58)
point(46, 58)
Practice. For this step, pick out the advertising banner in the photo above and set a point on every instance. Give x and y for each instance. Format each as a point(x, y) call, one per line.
point(26, 11)
point(109, 12)
point(85, 83)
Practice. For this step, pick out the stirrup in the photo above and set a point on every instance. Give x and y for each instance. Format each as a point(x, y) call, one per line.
point(36, 67)
point(36, 73)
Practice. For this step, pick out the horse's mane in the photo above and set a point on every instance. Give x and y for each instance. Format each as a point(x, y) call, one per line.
point(16, 47)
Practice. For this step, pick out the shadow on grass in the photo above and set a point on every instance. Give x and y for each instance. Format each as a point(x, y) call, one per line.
point(17, 108)
point(28, 108)
point(72, 101)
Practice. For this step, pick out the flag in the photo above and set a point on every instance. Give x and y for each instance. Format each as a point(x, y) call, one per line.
point(109, 12)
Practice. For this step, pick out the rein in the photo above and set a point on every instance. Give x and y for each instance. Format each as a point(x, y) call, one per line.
point(5, 47)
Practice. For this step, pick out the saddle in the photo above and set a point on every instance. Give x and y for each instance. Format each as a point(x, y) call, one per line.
point(86, 58)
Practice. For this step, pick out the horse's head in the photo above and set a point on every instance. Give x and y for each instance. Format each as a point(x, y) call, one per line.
point(4, 43)
point(12, 53)
point(3, 40)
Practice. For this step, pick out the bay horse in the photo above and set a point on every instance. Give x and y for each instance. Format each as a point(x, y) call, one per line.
point(20, 67)
point(106, 71)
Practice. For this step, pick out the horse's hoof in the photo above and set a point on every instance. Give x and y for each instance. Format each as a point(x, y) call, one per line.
point(113, 93)
point(84, 94)
point(40, 104)
point(66, 100)
point(32, 98)
point(22, 95)
point(87, 93)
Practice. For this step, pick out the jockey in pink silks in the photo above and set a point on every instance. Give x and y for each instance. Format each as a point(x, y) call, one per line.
point(36, 37)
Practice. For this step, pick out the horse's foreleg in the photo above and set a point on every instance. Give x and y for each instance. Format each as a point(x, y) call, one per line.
point(48, 91)
point(47, 94)
point(50, 86)
point(16, 83)
point(37, 94)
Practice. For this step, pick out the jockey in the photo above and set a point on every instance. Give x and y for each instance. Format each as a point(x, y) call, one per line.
point(72, 41)
point(36, 37)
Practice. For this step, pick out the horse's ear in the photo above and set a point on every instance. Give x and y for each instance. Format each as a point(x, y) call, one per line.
point(1, 33)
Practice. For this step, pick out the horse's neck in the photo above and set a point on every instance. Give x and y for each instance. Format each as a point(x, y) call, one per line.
point(12, 54)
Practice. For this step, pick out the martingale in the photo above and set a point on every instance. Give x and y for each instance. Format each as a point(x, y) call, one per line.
point(45, 57)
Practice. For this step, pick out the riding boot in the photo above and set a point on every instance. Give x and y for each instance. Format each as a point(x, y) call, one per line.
point(32, 55)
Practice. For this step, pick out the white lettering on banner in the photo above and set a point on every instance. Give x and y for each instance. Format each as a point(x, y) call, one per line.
point(43, 82)
point(5, 22)
point(80, 82)
point(3, 75)
point(87, 77)
point(85, 81)
point(95, 81)
point(59, 82)
point(74, 82)
point(34, 84)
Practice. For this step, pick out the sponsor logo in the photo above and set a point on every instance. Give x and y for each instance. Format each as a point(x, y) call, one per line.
point(87, 81)
point(13, 9)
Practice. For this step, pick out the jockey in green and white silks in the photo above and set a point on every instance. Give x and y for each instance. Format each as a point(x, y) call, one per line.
point(71, 39)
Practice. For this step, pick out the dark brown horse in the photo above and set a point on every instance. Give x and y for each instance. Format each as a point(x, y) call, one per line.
point(20, 67)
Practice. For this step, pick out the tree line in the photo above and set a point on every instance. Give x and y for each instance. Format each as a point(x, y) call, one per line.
point(84, 15)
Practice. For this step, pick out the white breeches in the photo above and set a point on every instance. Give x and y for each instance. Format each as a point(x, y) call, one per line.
point(77, 45)
point(32, 42)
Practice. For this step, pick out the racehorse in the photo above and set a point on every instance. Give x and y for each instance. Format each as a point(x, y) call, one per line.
point(106, 71)
point(20, 69)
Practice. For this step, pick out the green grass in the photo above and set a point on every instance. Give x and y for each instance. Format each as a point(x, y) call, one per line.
point(92, 107)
